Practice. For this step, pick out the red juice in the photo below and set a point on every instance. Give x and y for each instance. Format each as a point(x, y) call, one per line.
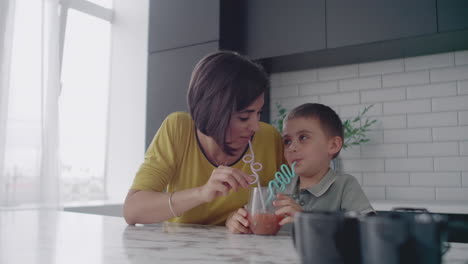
point(264, 223)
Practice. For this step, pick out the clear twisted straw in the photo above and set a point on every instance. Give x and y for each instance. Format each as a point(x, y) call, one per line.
point(254, 167)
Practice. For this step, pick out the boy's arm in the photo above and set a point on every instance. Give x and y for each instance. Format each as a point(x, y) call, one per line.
point(354, 198)
point(286, 207)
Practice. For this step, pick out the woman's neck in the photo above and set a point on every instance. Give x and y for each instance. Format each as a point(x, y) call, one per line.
point(214, 153)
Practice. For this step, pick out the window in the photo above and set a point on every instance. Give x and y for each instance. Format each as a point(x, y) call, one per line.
point(104, 3)
point(46, 127)
point(83, 103)
point(24, 121)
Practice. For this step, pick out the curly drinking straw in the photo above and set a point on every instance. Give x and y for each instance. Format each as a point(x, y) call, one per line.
point(282, 177)
point(254, 167)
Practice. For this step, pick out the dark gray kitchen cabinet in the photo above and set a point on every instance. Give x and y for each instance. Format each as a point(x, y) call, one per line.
point(452, 15)
point(278, 27)
point(366, 21)
point(180, 23)
point(168, 80)
point(181, 32)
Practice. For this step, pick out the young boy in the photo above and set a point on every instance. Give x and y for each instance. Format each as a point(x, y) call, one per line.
point(313, 136)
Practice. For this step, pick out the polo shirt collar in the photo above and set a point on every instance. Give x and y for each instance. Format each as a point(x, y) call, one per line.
point(320, 188)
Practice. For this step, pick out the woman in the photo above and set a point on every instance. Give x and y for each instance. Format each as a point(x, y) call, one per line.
point(193, 170)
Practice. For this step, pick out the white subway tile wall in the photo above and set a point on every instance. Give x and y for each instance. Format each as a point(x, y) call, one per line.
point(383, 95)
point(299, 77)
point(429, 62)
point(383, 150)
point(450, 103)
point(407, 135)
point(418, 148)
point(462, 87)
point(361, 83)
point(340, 72)
point(395, 179)
point(465, 178)
point(451, 164)
point(375, 193)
point(464, 149)
point(432, 90)
point(381, 68)
point(406, 78)
point(463, 118)
point(353, 110)
point(391, 121)
point(285, 91)
point(409, 164)
point(363, 165)
point(449, 74)
point(452, 194)
point(354, 152)
point(410, 193)
point(318, 88)
point(436, 149)
point(409, 106)
point(448, 179)
point(461, 57)
point(433, 119)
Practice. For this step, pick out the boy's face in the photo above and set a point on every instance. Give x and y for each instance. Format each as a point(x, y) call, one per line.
point(306, 143)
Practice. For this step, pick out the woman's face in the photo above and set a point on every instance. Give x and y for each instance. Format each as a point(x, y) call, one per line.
point(244, 124)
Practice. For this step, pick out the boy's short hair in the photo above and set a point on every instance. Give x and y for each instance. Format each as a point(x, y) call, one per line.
point(329, 120)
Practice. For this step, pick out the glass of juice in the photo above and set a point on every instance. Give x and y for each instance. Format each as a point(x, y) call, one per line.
point(261, 215)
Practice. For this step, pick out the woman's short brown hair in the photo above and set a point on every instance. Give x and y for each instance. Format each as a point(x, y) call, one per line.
point(222, 83)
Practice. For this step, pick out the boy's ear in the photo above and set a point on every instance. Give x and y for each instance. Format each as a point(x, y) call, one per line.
point(334, 145)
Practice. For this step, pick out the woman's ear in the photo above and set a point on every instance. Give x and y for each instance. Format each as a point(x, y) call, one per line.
point(334, 145)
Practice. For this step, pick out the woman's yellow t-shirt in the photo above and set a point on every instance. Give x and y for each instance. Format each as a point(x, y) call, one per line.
point(175, 162)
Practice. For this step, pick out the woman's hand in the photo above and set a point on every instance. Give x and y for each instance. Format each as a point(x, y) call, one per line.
point(286, 206)
point(237, 222)
point(221, 181)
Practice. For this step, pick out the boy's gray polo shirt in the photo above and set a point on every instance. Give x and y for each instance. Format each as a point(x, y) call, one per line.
point(333, 193)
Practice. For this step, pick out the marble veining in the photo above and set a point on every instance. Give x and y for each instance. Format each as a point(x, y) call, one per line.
point(206, 244)
point(63, 237)
point(47, 237)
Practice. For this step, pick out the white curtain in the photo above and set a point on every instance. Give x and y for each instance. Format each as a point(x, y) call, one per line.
point(29, 79)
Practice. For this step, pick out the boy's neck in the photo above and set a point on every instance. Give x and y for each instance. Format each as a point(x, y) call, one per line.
point(308, 182)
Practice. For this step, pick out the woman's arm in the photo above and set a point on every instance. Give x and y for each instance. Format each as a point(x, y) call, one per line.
point(145, 207)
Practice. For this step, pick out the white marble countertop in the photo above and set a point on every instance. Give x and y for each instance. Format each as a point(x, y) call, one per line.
point(47, 237)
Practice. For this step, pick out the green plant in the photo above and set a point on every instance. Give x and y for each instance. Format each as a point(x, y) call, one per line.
point(354, 130)
point(280, 115)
